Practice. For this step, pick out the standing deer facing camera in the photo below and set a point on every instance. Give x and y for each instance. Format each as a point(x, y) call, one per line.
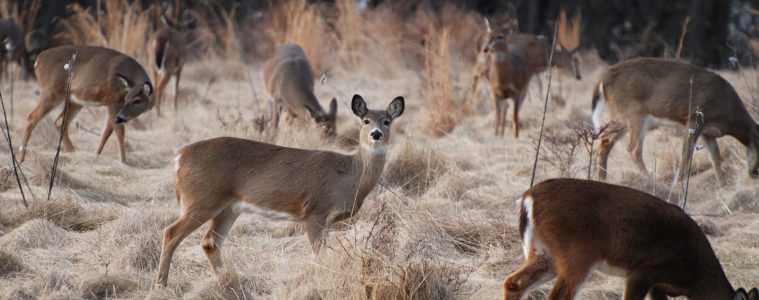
point(289, 81)
point(102, 77)
point(169, 47)
point(570, 227)
point(649, 89)
point(516, 58)
point(221, 178)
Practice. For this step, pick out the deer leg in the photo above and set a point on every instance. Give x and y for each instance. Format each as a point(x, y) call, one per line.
point(315, 227)
point(160, 85)
point(70, 115)
point(46, 104)
point(214, 238)
point(657, 294)
point(572, 271)
point(517, 105)
point(109, 125)
point(638, 130)
point(536, 270)
point(176, 87)
point(120, 139)
point(637, 287)
point(716, 159)
point(497, 103)
point(173, 235)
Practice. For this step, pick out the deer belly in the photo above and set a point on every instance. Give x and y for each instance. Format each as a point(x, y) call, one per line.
point(604, 267)
point(244, 207)
point(81, 102)
point(663, 122)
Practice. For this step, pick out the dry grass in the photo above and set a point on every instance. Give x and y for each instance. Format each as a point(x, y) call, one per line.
point(444, 226)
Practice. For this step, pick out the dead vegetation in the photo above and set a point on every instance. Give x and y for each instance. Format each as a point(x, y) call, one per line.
point(442, 226)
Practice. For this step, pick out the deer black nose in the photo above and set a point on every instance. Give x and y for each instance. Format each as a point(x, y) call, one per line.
point(376, 135)
point(120, 120)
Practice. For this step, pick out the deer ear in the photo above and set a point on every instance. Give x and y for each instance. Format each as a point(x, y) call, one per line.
point(740, 294)
point(358, 106)
point(333, 107)
point(191, 24)
point(396, 107)
point(124, 82)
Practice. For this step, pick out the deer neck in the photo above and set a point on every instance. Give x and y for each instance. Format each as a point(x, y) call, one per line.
point(369, 162)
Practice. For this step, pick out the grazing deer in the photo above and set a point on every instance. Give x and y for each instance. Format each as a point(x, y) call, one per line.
point(168, 49)
point(289, 81)
point(649, 89)
point(12, 38)
point(515, 59)
point(221, 178)
point(569, 227)
point(101, 77)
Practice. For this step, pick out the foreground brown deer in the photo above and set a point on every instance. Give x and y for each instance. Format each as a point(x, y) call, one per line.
point(570, 227)
point(221, 178)
point(642, 90)
point(514, 59)
point(168, 48)
point(101, 77)
point(289, 81)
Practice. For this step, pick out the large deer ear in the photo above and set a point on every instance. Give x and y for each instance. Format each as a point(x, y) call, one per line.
point(740, 294)
point(487, 26)
point(358, 106)
point(124, 82)
point(147, 89)
point(396, 107)
point(191, 24)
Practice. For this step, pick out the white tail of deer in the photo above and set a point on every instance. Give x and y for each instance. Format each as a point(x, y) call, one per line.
point(643, 90)
point(102, 77)
point(221, 178)
point(289, 81)
point(510, 60)
point(168, 50)
point(570, 227)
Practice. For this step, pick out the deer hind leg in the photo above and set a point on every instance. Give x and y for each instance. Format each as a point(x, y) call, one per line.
point(517, 105)
point(110, 123)
point(715, 158)
point(215, 237)
point(637, 286)
point(71, 113)
point(572, 268)
point(174, 234)
point(159, 87)
point(315, 227)
point(638, 129)
point(46, 104)
point(176, 87)
point(536, 270)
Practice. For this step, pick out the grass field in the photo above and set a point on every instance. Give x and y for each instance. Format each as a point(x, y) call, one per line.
point(442, 224)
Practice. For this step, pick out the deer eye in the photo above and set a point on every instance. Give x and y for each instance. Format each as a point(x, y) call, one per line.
point(366, 122)
point(386, 122)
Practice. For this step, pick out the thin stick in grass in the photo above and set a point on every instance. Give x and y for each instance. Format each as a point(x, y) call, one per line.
point(545, 104)
point(682, 37)
point(699, 116)
point(70, 69)
point(7, 133)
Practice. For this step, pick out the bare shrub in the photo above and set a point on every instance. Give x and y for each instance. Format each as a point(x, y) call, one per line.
point(106, 286)
point(439, 81)
point(560, 151)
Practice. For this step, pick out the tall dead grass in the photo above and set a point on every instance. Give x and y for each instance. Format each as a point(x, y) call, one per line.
point(439, 79)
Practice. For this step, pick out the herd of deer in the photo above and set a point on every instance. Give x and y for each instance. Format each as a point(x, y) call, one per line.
point(569, 227)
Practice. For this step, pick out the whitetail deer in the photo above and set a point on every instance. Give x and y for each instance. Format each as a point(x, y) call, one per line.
point(168, 47)
point(569, 227)
point(101, 77)
point(649, 89)
point(289, 81)
point(514, 59)
point(12, 38)
point(221, 178)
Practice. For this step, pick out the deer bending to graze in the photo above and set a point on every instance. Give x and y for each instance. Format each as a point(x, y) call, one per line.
point(168, 54)
point(289, 81)
point(514, 59)
point(650, 89)
point(101, 77)
point(221, 178)
point(654, 245)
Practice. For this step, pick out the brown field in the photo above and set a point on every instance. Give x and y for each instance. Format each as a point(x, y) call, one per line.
point(443, 223)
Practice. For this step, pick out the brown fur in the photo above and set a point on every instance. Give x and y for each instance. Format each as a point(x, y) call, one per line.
point(102, 77)
point(289, 81)
point(640, 87)
point(315, 187)
point(580, 223)
point(168, 49)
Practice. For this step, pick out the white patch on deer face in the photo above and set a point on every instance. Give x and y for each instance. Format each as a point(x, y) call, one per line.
point(376, 149)
point(499, 56)
point(244, 207)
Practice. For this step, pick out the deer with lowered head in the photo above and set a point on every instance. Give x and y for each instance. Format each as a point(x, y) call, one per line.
point(221, 178)
point(514, 59)
point(651, 90)
point(101, 77)
point(289, 81)
point(168, 50)
point(654, 245)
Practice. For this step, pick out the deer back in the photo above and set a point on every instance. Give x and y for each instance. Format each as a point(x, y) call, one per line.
point(289, 78)
point(168, 49)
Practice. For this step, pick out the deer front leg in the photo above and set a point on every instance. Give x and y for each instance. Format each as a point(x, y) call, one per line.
point(46, 104)
point(176, 87)
point(688, 144)
point(113, 110)
point(71, 113)
point(315, 227)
